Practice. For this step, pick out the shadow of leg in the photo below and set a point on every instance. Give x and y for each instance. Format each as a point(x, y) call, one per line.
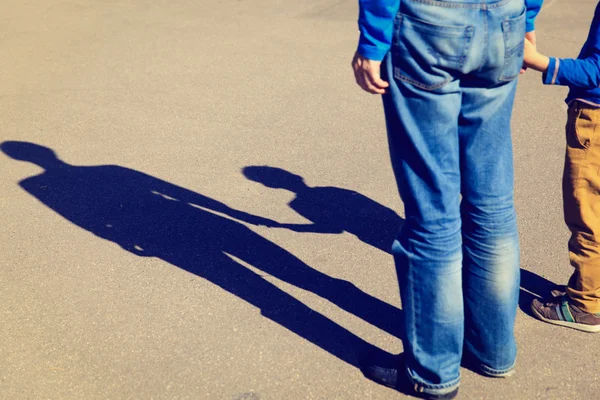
point(534, 286)
point(283, 265)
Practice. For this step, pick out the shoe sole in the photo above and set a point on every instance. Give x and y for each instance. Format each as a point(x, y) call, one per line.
point(572, 325)
point(504, 375)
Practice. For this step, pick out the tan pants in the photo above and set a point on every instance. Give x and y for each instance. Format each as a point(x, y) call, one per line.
point(581, 199)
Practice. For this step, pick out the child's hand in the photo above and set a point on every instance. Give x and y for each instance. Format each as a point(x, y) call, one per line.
point(533, 59)
point(531, 37)
point(530, 53)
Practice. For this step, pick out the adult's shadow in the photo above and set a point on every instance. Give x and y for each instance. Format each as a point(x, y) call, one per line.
point(151, 217)
point(331, 209)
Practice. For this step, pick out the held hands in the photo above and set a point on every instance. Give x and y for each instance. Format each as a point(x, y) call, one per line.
point(260, 221)
point(367, 74)
point(533, 59)
point(531, 37)
point(529, 53)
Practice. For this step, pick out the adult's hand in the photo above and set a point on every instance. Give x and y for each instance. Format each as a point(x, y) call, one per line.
point(533, 39)
point(367, 74)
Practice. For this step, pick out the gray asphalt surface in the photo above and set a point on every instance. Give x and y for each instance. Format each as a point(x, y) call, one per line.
point(190, 299)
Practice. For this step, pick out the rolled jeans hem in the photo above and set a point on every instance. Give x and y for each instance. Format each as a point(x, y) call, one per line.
point(494, 372)
point(435, 389)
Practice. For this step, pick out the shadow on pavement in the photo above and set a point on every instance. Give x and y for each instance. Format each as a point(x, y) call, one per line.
point(153, 218)
point(332, 209)
point(534, 286)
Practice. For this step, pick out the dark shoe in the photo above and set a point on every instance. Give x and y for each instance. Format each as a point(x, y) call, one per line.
point(558, 311)
point(392, 376)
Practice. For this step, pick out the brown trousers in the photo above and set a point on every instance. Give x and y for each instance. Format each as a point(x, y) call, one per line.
point(581, 199)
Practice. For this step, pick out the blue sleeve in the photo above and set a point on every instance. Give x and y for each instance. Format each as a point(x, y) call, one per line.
point(582, 72)
point(376, 24)
point(579, 73)
point(533, 9)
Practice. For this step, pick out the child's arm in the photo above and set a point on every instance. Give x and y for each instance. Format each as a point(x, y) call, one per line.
point(582, 73)
point(534, 60)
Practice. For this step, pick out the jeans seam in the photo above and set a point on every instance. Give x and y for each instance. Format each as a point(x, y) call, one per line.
point(444, 4)
point(469, 33)
point(411, 282)
point(485, 38)
point(413, 82)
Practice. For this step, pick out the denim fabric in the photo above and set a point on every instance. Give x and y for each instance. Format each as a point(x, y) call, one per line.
point(452, 71)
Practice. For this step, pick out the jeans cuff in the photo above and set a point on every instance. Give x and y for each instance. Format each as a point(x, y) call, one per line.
point(497, 373)
point(436, 389)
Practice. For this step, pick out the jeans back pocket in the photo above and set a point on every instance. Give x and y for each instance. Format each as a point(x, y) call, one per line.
point(427, 55)
point(513, 30)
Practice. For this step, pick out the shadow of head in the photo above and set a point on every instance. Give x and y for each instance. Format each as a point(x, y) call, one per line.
point(276, 178)
point(30, 152)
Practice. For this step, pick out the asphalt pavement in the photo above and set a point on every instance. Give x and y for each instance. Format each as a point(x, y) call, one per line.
point(196, 203)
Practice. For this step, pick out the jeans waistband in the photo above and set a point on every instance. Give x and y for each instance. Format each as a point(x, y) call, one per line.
point(482, 4)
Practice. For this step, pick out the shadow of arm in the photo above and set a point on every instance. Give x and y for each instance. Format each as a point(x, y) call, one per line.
point(197, 200)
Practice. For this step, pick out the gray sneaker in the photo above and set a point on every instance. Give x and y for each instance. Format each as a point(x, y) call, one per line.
point(558, 311)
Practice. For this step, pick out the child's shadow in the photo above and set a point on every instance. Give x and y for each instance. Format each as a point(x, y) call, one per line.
point(151, 217)
point(332, 209)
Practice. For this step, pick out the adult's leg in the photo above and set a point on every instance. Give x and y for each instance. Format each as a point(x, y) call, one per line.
point(422, 108)
point(490, 238)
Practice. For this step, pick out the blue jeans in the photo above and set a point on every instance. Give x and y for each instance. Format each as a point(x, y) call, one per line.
point(452, 71)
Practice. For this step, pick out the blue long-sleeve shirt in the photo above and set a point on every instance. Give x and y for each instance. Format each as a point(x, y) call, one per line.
point(376, 23)
point(581, 75)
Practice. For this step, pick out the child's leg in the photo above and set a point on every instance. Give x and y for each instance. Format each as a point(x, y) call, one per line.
point(581, 196)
